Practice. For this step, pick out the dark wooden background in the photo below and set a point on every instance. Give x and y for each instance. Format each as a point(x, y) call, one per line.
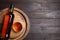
point(44, 16)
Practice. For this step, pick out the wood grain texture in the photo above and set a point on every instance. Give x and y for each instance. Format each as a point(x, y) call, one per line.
point(44, 16)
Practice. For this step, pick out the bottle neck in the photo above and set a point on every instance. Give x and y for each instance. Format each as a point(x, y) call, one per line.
point(11, 8)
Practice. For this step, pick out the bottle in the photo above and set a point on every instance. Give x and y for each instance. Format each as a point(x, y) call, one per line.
point(7, 24)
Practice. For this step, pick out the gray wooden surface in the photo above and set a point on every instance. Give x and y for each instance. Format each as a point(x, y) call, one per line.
point(44, 16)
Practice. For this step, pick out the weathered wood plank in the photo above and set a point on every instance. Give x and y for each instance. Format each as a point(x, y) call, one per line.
point(43, 36)
point(44, 21)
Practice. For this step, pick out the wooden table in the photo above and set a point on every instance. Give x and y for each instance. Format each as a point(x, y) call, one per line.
point(44, 16)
